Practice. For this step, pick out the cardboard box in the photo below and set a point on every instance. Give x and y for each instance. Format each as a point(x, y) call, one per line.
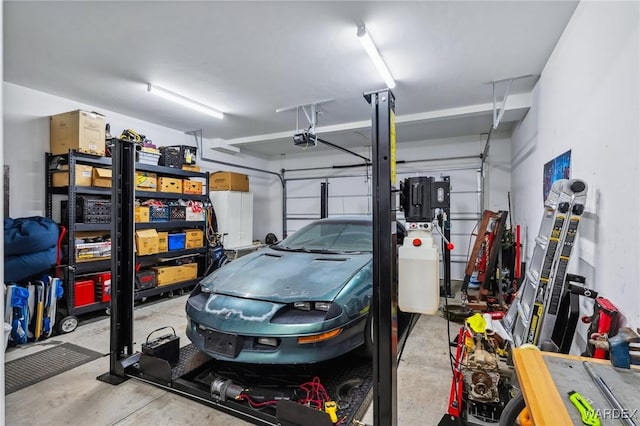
point(163, 242)
point(195, 238)
point(191, 187)
point(228, 181)
point(167, 275)
point(146, 181)
point(141, 214)
point(88, 252)
point(191, 167)
point(83, 176)
point(167, 184)
point(101, 177)
point(187, 272)
point(147, 242)
point(80, 130)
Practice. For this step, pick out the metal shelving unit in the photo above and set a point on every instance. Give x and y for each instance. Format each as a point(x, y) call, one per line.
point(73, 268)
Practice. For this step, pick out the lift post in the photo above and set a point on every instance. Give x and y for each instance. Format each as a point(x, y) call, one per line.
point(122, 261)
point(385, 274)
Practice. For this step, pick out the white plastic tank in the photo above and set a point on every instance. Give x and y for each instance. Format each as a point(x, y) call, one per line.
point(419, 271)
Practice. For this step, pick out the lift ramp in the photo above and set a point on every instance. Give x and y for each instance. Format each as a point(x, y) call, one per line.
point(347, 379)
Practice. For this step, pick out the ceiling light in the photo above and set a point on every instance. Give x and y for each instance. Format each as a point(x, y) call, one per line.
point(181, 100)
point(372, 50)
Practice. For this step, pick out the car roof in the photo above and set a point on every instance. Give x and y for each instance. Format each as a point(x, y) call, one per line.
point(348, 218)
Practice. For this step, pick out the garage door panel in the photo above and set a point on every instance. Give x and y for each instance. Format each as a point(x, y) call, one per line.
point(352, 205)
point(304, 206)
point(303, 188)
point(357, 185)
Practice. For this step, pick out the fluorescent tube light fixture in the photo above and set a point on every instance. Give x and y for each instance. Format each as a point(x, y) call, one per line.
point(181, 100)
point(373, 53)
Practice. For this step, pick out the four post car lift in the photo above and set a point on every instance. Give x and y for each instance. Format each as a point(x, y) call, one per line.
point(253, 393)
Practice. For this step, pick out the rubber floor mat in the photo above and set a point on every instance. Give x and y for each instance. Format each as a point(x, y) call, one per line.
point(37, 367)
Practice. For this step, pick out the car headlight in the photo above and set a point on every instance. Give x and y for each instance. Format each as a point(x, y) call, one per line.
point(307, 306)
point(306, 313)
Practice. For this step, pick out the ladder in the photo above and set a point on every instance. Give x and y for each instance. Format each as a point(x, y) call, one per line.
point(532, 315)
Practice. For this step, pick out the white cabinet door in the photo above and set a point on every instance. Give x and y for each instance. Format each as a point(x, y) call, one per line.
point(234, 211)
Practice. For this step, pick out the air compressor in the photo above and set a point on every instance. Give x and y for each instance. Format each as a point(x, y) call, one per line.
point(418, 257)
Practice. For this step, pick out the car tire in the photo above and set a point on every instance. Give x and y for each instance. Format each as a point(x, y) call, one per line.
point(512, 410)
point(367, 349)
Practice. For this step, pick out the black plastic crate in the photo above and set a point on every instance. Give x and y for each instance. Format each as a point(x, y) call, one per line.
point(88, 210)
point(177, 213)
point(187, 153)
point(171, 156)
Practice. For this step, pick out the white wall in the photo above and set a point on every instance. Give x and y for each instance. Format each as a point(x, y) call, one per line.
point(26, 139)
point(587, 100)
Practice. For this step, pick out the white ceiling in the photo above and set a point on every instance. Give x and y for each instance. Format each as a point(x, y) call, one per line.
point(250, 58)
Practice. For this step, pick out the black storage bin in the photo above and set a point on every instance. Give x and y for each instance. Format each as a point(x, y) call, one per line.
point(170, 156)
point(88, 210)
point(186, 153)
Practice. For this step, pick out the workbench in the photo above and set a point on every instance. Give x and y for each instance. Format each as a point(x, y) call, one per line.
point(545, 379)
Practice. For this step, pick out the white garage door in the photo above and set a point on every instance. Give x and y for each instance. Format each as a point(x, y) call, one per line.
point(350, 194)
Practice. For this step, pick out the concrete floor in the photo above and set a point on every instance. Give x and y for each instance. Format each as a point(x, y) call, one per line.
point(77, 398)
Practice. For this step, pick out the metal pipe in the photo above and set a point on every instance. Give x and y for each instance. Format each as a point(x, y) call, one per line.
point(463, 157)
point(284, 205)
point(324, 199)
point(340, 148)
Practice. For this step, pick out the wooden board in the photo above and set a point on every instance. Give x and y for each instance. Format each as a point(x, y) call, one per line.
point(546, 378)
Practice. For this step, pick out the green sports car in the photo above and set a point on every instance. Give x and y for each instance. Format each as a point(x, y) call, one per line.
point(305, 299)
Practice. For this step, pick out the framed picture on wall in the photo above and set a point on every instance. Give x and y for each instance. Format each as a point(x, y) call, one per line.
point(558, 168)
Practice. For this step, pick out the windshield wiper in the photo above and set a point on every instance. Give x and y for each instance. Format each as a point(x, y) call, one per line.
point(324, 251)
point(285, 248)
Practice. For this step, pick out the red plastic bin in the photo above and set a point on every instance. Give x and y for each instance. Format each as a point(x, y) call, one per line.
point(84, 293)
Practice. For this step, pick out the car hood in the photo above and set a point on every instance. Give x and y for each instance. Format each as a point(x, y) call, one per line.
point(285, 277)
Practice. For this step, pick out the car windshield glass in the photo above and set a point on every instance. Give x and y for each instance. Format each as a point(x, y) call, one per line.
point(330, 237)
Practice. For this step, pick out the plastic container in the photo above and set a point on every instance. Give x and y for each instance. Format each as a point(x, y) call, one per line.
point(419, 274)
point(177, 241)
point(7, 332)
point(159, 213)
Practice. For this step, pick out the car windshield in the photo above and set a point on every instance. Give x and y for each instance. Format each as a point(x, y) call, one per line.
point(330, 237)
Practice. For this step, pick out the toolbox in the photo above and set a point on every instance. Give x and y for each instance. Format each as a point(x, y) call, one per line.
point(166, 347)
point(83, 293)
point(103, 287)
